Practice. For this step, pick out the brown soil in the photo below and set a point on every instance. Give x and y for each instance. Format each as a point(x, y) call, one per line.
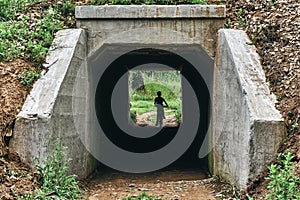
point(12, 97)
point(169, 185)
point(16, 178)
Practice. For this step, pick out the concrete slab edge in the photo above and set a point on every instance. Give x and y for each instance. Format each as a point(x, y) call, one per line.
point(150, 11)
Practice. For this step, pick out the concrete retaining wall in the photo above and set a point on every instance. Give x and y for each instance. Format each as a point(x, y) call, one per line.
point(47, 112)
point(247, 129)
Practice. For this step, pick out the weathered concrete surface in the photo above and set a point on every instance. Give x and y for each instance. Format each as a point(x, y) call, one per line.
point(47, 113)
point(60, 101)
point(150, 11)
point(182, 24)
point(247, 129)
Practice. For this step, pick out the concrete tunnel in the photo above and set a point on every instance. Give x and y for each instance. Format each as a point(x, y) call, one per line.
point(85, 81)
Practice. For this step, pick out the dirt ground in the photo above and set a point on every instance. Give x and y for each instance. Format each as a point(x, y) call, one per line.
point(169, 185)
point(148, 119)
point(12, 97)
point(16, 178)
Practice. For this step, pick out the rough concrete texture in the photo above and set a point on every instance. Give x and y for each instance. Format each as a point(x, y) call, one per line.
point(150, 11)
point(247, 128)
point(47, 113)
point(184, 24)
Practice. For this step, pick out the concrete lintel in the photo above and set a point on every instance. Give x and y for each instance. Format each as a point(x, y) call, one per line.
point(150, 11)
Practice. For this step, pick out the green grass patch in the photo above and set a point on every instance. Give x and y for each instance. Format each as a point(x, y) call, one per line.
point(142, 196)
point(150, 93)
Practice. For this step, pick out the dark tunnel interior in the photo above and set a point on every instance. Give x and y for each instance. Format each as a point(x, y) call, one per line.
point(189, 159)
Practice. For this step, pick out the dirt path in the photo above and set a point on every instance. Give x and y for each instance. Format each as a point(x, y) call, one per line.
point(167, 185)
point(148, 119)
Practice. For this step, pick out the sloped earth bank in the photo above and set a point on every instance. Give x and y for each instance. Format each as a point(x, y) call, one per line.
point(274, 27)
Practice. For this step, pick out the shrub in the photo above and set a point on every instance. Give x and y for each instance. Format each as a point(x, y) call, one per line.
point(283, 183)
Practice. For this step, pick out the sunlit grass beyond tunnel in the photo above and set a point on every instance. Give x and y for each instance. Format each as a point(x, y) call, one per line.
point(144, 86)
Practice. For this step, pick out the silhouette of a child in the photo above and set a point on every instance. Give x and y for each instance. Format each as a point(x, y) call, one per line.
point(158, 102)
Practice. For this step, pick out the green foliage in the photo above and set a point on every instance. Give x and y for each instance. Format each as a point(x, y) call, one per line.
point(29, 77)
point(150, 92)
point(9, 8)
point(54, 181)
point(168, 82)
point(242, 17)
point(283, 183)
point(133, 115)
point(295, 126)
point(147, 2)
point(24, 36)
point(272, 3)
point(178, 115)
point(143, 196)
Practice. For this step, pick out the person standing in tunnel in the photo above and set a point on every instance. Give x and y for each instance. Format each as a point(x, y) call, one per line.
point(158, 102)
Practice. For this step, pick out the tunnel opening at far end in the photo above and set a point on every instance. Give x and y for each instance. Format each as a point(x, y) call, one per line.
point(155, 96)
point(116, 106)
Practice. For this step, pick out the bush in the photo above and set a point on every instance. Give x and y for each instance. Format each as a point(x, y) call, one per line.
point(283, 184)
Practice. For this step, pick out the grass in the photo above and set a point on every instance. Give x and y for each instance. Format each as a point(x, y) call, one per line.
point(168, 82)
point(142, 196)
point(27, 31)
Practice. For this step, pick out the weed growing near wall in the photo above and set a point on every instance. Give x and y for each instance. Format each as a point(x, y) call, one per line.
point(283, 183)
point(54, 181)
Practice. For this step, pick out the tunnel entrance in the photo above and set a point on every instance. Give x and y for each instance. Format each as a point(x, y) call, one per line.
point(112, 106)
